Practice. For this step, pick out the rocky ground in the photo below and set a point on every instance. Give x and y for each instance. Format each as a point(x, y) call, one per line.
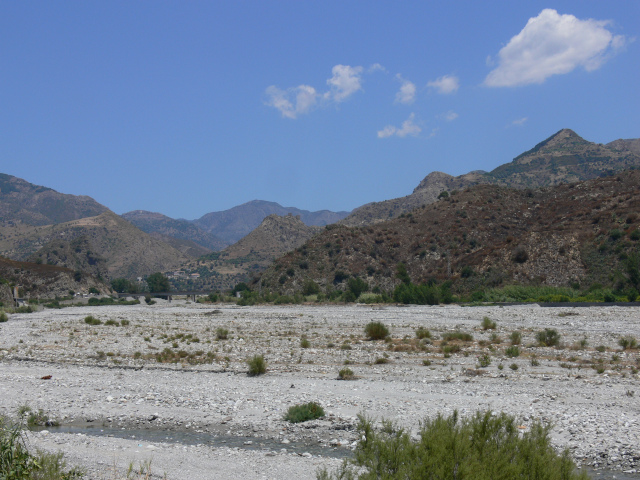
point(165, 370)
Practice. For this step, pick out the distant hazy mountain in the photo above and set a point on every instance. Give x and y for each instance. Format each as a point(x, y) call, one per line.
point(274, 237)
point(170, 228)
point(24, 202)
point(233, 224)
point(564, 157)
point(106, 240)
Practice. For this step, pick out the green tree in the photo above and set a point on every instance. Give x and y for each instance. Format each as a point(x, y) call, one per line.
point(122, 285)
point(158, 283)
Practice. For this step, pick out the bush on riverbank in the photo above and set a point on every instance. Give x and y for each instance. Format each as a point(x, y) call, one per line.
point(483, 447)
point(17, 463)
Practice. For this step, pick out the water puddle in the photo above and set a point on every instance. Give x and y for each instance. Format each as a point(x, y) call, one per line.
point(194, 438)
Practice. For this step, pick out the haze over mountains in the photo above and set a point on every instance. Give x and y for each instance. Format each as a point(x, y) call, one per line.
point(40, 224)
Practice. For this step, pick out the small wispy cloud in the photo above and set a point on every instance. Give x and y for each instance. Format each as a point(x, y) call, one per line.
point(293, 101)
point(407, 93)
point(450, 116)
point(408, 128)
point(520, 121)
point(446, 84)
point(553, 44)
point(376, 67)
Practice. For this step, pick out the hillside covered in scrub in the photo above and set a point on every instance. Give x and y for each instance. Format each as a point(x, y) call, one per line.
point(577, 235)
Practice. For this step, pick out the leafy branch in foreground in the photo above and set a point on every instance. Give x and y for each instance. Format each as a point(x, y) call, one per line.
point(483, 447)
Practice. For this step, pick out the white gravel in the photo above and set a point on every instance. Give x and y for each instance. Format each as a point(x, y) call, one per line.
point(107, 377)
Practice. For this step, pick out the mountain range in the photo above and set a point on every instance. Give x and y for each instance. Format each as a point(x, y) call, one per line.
point(565, 157)
point(47, 227)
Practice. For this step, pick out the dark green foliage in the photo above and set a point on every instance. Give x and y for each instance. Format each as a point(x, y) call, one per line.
point(515, 338)
point(257, 366)
point(548, 337)
point(310, 288)
point(484, 360)
point(376, 331)
point(422, 333)
point(3, 317)
point(222, 333)
point(483, 447)
point(462, 336)
point(91, 320)
point(520, 255)
point(122, 285)
point(110, 301)
point(304, 412)
point(94, 290)
point(409, 293)
point(615, 234)
point(628, 342)
point(488, 324)
point(240, 287)
point(357, 286)
point(15, 461)
point(402, 275)
point(346, 374)
point(512, 351)
point(340, 277)
point(158, 283)
point(466, 272)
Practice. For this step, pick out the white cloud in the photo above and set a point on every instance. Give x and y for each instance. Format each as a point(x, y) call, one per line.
point(293, 101)
point(345, 82)
point(407, 93)
point(520, 121)
point(553, 44)
point(450, 116)
point(445, 84)
point(376, 67)
point(408, 128)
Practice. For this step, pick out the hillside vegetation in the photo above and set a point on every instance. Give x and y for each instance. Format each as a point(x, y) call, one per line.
point(574, 235)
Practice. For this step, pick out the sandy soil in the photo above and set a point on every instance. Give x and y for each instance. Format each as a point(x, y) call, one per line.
point(124, 377)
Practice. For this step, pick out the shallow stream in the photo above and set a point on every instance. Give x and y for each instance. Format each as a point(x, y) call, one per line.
point(253, 443)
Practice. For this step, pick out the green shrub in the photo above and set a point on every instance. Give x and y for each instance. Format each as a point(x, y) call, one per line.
point(513, 366)
point(483, 447)
point(222, 333)
point(346, 374)
point(111, 322)
point(462, 336)
point(15, 460)
point(304, 342)
point(515, 338)
point(422, 333)
point(257, 365)
point(91, 320)
point(3, 317)
point(484, 360)
point(512, 351)
point(376, 331)
point(628, 342)
point(488, 324)
point(304, 412)
point(548, 337)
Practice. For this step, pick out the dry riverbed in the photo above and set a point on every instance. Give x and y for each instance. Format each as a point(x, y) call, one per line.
point(164, 369)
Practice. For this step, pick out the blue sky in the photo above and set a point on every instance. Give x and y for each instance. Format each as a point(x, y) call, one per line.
point(189, 107)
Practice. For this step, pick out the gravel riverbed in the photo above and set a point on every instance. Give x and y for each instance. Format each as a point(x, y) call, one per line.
point(162, 368)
